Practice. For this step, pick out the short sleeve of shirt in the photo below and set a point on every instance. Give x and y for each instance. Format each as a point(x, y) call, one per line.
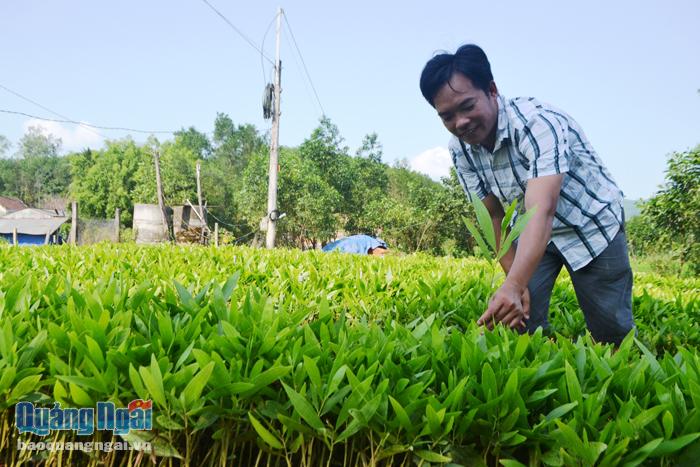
point(544, 143)
point(466, 172)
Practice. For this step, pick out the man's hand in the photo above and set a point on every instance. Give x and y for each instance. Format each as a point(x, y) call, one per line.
point(510, 305)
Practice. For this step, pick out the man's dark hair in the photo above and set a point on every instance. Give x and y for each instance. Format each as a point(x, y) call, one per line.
point(469, 60)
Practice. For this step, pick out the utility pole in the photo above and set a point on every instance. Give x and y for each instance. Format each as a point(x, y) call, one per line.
point(74, 223)
point(161, 201)
point(272, 213)
point(117, 224)
point(201, 210)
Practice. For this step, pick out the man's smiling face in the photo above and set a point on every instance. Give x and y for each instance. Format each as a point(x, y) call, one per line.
point(468, 112)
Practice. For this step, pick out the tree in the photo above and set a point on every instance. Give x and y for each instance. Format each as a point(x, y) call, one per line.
point(177, 169)
point(35, 143)
point(324, 154)
point(195, 141)
point(369, 185)
point(236, 144)
point(371, 148)
point(105, 180)
point(36, 172)
point(5, 146)
point(308, 200)
point(673, 212)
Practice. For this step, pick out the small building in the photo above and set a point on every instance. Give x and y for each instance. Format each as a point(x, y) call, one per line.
point(188, 217)
point(32, 226)
point(148, 223)
point(9, 204)
point(190, 224)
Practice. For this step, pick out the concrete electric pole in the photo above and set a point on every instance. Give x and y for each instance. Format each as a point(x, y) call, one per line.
point(272, 212)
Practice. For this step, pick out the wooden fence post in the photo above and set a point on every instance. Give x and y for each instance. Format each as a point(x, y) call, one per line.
point(216, 234)
point(74, 224)
point(14, 236)
point(116, 225)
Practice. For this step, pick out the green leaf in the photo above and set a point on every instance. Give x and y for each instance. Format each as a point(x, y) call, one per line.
point(517, 229)
point(79, 396)
point(484, 219)
point(431, 456)
point(540, 394)
point(8, 376)
point(153, 381)
point(268, 437)
point(304, 409)
point(561, 411)
point(673, 446)
point(159, 446)
point(401, 415)
point(24, 387)
point(230, 285)
point(90, 383)
point(194, 388)
point(572, 384)
point(646, 417)
point(506, 220)
point(488, 380)
point(313, 373)
point(511, 463)
point(638, 456)
point(135, 380)
point(667, 422)
point(168, 423)
point(477, 237)
point(269, 376)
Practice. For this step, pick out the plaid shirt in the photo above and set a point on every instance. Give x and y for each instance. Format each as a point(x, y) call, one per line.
point(533, 140)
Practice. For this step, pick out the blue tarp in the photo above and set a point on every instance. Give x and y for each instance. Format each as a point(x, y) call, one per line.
point(360, 244)
point(26, 239)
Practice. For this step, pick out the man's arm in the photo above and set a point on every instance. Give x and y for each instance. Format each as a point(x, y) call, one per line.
point(506, 305)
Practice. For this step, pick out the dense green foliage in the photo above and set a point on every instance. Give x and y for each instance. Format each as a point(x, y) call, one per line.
point(36, 174)
point(288, 357)
point(670, 220)
point(324, 190)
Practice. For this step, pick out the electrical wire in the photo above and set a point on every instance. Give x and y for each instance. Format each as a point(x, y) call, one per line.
point(238, 31)
point(209, 213)
point(323, 112)
point(262, 47)
point(238, 240)
point(47, 109)
point(86, 124)
point(303, 79)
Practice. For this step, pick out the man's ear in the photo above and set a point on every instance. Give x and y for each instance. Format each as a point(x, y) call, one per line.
point(493, 90)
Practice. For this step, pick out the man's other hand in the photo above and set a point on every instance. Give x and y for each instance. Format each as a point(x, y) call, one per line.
point(510, 305)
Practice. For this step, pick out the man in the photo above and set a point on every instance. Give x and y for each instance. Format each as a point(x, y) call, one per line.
point(360, 244)
point(506, 149)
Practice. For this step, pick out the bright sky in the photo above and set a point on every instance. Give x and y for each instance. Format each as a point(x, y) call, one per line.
point(628, 71)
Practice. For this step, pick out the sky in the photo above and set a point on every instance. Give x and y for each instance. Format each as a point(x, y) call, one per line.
point(627, 71)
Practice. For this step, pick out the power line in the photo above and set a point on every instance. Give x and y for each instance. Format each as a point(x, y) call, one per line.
point(303, 63)
point(238, 31)
point(262, 47)
point(209, 213)
point(86, 124)
point(45, 108)
point(302, 77)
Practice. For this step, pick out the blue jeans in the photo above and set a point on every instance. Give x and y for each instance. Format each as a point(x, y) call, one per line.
point(603, 289)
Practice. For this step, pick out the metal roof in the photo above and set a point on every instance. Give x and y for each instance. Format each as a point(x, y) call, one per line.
point(11, 204)
point(34, 213)
point(31, 226)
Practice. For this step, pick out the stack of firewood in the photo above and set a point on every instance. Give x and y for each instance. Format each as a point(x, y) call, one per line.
point(190, 235)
